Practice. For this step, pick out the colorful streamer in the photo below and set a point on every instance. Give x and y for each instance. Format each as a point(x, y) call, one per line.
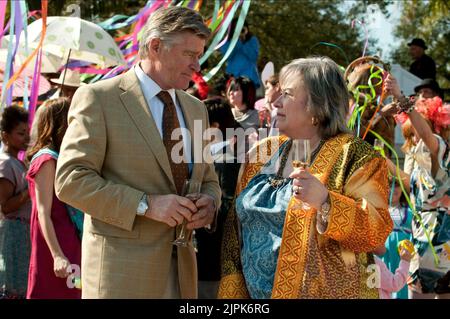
point(366, 32)
point(333, 46)
point(417, 217)
point(239, 25)
point(368, 97)
point(44, 28)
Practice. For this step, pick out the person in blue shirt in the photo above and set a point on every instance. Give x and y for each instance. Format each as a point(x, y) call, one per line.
point(242, 60)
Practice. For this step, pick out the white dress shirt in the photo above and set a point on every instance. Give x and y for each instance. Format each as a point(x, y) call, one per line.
point(150, 89)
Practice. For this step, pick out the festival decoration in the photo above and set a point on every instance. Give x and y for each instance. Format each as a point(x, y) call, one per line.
point(416, 216)
point(81, 39)
point(378, 74)
point(407, 245)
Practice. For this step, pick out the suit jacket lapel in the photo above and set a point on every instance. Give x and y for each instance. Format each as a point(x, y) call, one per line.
point(134, 101)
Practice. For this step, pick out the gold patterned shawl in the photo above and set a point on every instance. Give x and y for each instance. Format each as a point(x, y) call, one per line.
point(333, 264)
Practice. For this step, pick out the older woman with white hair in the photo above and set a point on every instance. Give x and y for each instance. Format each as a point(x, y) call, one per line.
point(307, 232)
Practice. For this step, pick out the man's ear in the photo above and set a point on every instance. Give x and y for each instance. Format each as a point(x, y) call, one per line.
point(154, 47)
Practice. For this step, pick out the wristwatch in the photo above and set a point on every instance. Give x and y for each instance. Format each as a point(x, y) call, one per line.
point(324, 211)
point(143, 206)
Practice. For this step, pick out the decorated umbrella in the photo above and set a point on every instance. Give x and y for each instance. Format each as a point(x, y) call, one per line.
point(50, 62)
point(19, 84)
point(72, 37)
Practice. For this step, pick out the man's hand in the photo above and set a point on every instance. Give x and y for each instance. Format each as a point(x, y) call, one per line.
point(205, 214)
point(170, 209)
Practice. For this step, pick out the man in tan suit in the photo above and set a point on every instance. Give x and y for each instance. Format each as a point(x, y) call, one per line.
point(116, 164)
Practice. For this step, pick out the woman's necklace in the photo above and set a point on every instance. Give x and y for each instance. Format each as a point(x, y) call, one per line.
point(278, 179)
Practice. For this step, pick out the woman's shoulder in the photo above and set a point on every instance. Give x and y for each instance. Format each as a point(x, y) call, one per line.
point(357, 146)
point(9, 164)
point(353, 152)
point(39, 159)
point(5, 161)
point(6, 166)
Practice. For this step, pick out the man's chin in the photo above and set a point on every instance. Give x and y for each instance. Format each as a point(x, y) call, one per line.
point(182, 86)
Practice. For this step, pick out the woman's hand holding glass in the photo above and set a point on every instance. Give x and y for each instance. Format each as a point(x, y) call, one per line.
point(311, 191)
point(306, 187)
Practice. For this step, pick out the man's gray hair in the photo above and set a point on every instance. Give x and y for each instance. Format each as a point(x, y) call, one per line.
point(328, 98)
point(167, 23)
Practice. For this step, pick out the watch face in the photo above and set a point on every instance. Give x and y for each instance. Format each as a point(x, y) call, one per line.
point(325, 207)
point(142, 208)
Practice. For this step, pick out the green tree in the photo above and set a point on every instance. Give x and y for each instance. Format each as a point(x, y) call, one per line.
point(286, 29)
point(289, 29)
point(429, 20)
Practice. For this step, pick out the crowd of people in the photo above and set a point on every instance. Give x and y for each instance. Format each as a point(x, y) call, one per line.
point(92, 202)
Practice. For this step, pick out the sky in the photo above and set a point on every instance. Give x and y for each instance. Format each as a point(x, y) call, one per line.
point(382, 28)
point(379, 27)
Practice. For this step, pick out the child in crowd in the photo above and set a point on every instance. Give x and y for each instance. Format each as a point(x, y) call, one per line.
point(392, 282)
point(402, 217)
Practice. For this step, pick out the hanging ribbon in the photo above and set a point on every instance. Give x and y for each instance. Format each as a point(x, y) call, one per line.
point(24, 9)
point(220, 34)
point(216, 11)
point(128, 43)
point(35, 87)
point(223, 13)
point(111, 24)
point(365, 31)
point(380, 101)
point(333, 46)
point(239, 25)
point(368, 97)
point(2, 17)
point(417, 217)
point(34, 15)
point(9, 58)
point(38, 64)
point(143, 19)
point(44, 29)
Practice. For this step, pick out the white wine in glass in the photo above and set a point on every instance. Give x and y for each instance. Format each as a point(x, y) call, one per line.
point(301, 158)
point(191, 190)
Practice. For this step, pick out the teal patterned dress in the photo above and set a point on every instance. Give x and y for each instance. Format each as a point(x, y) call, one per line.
point(261, 209)
point(402, 217)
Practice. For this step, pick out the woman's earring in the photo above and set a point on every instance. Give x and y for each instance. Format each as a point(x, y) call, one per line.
point(314, 121)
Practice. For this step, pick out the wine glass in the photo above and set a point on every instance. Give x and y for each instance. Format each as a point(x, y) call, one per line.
point(191, 190)
point(378, 145)
point(301, 158)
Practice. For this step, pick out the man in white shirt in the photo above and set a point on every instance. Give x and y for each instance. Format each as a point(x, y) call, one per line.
point(118, 164)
